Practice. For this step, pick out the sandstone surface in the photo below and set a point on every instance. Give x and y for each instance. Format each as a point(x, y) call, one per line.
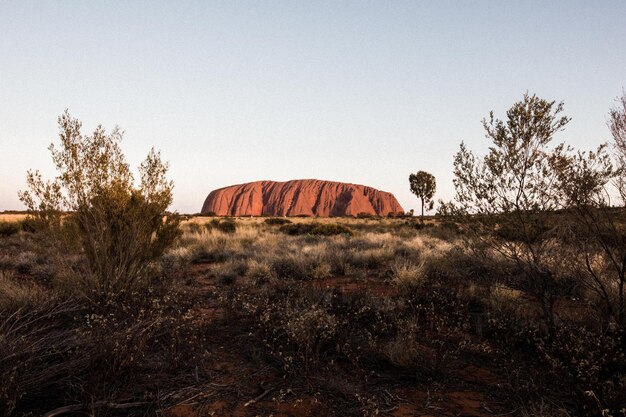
point(300, 198)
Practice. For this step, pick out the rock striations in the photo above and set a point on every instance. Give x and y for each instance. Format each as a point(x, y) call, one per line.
point(300, 198)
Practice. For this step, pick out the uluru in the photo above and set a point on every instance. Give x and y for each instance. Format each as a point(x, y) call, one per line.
point(308, 197)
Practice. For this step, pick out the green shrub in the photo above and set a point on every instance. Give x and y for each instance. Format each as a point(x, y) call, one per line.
point(123, 227)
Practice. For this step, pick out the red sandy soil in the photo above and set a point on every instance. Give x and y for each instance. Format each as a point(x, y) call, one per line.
point(300, 197)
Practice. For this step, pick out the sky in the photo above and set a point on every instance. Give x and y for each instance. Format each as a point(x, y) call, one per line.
point(355, 91)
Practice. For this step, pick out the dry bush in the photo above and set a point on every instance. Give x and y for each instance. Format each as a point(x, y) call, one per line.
point(315, 229)
point(404, 350)
point(592, 364)
point(322, 271)
point(229, 271)
point(228, 226)
point(23, 294)
point(542, 408)
point(37, 349)
point(58, 347)
point(503, 298)
point(407, 276)
point(260, 272)
point(56, 350)
point(294, 266)
point(277, 221)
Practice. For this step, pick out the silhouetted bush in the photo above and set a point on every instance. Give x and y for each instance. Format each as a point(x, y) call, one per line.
point(225, 226)
point(9, 228)
point(277, 221)
point(316, 229)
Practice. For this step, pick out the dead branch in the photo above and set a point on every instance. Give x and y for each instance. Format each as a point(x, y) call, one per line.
point(98, 404)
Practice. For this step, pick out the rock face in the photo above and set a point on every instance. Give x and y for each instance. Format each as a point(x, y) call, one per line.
point(300, 197)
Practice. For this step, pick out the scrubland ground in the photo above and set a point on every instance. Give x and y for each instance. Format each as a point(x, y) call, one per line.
point(322, 317)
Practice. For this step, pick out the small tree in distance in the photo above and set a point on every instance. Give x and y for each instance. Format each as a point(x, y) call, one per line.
point(121, 227)
point(423, 185)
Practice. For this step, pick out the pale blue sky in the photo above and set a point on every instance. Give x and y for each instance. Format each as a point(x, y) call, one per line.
point(363, 92)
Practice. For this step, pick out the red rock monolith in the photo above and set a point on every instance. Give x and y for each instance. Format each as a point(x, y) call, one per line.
point(300, 198)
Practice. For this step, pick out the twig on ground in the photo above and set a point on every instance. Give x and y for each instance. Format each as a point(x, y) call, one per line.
point(259, 397)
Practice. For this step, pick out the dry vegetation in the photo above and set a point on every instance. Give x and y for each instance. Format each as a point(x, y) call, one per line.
point(391, 318)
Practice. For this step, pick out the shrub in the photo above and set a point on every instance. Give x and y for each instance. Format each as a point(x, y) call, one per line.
point(276, 221)
point(194, 228)
point(260, 272)
point(9, 228)
point(31, 225)
point(315, 229)
point(364, 215)
point(36, 349)
point(228, 272)
point(225, 226)
point(122, 228)
point(408, 276)
point(293, 267)
point(403, 350)
point(203, 255)
point(594, 364)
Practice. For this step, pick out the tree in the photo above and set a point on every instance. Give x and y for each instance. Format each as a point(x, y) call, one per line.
point(122, 227)
point(509, 191)
point(601, 237)
point(617, 126)
point(423, 185)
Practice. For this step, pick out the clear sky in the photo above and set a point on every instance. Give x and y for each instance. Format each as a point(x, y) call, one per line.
point(362, 92)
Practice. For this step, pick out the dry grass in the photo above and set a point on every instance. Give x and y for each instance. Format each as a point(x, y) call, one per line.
point(12, 217)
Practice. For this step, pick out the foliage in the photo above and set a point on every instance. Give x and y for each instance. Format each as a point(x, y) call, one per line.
point(522, 179)
point(122, 228)
point(517, 173)
point(601, 229)
point(617, 126)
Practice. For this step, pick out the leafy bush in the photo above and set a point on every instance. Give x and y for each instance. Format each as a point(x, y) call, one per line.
point(122, 228)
